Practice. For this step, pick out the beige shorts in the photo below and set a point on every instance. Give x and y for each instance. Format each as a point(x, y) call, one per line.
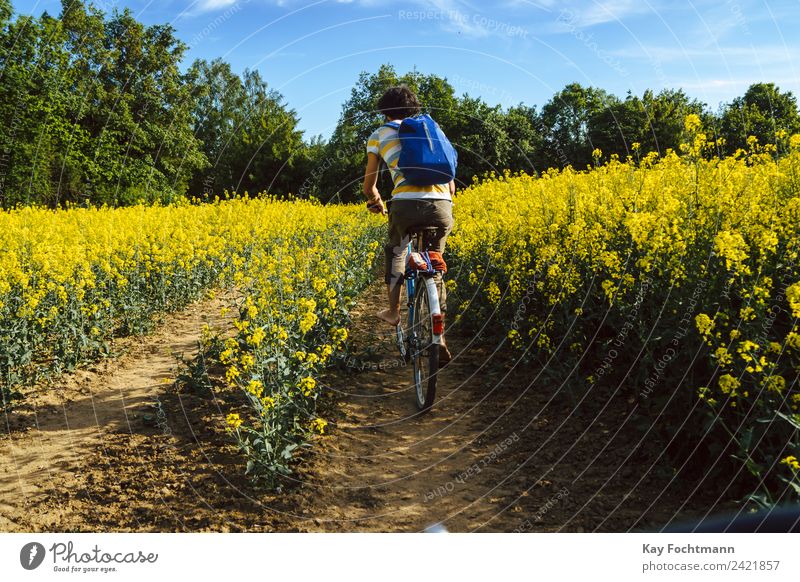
point(404, 214)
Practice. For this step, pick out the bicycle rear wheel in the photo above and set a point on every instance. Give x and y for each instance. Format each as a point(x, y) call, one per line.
point(423, 351)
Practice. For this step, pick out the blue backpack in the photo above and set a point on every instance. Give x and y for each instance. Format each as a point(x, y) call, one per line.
point(426, 155)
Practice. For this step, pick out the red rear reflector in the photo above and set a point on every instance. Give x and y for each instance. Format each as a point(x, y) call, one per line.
point(438, 324)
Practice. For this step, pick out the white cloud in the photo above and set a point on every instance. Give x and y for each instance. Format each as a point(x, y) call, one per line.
point(593, 13)
point(210, 5)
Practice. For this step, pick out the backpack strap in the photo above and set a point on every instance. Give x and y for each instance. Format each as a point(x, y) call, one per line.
point(427, 258)
point(392, 124)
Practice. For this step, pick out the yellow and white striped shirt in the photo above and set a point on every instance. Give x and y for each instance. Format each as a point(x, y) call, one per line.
point(385, 143)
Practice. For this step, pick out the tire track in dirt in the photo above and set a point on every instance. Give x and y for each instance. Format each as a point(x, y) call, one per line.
point(489, 456)
point(61, 424)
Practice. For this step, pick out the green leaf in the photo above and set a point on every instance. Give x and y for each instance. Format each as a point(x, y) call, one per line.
point(794, 420)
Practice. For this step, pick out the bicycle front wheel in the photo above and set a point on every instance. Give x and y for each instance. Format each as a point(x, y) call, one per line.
point(424, 352)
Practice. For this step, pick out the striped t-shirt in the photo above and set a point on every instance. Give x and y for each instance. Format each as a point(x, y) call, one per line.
point(385, 143)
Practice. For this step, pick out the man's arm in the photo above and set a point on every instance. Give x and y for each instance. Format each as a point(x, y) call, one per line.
point(371, 182)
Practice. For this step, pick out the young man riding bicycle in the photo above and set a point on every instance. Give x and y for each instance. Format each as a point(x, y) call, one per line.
point(410, 205)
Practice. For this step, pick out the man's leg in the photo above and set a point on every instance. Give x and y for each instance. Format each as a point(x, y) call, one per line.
point(394, 264)
point(391, 315)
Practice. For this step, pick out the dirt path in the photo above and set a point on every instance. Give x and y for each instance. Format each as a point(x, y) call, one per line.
point(49, 438)
point(497, 453)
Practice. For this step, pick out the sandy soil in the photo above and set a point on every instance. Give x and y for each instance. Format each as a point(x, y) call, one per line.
point(122, 447)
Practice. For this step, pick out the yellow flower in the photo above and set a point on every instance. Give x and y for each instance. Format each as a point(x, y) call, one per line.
point(732, 247)
point(692, 122)
point(283, 335)
point(307, 385)
point(255, 387)
point(307, 321)
point(493, 293)
point(231, 374)
point(704, 324)
point(247, 361)
point(793, 296)
point(339, 335)
point(728, 384)
point(791, 462)
point(318, 425)
point(775, 384)
point(746, 349)
point(723, 356)
point(234, 421)
point(256, 337)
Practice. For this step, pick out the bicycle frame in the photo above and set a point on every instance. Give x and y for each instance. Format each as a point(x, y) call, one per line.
point(421, 346)
point(411, 287)
point(412, 281)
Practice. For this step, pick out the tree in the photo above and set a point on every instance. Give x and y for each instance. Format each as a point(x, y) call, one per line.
point(249, 136)
point(615, 128)
point(479, 132)
point(565, 120)
point(655, 122)
point(761, 112)
point(93, 110)
point(664, 119)
point(522, 125)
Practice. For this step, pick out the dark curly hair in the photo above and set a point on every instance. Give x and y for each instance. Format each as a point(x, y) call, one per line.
point(399, 102)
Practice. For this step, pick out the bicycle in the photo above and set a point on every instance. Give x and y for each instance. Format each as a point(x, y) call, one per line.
point(420, 345)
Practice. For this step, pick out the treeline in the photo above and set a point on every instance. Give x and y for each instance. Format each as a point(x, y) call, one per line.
point(94, 108)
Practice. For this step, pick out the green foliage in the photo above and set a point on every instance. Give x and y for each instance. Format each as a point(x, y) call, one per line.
point(249, 137)
point(762, 112)
point(566, 120)
point(655, 122)
point(94, 109)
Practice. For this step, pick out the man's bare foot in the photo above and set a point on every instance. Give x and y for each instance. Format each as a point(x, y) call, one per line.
point(389, 316)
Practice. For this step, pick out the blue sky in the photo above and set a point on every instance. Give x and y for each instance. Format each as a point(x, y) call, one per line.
point(505, 52)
